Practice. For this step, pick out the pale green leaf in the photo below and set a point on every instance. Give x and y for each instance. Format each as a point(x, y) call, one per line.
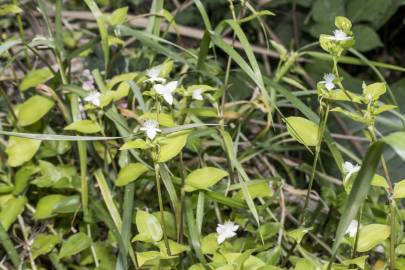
point(84, 126)
point(33, 110)
point(372, 235)
point(149, 227)
point(204, 178)
point(74, 244)
point(171, 145)
point(303, 130)
point(399, 190)
point(130, 173)
point(44, 243)
point(11, 210)
point(35, 77)
point(21, 150)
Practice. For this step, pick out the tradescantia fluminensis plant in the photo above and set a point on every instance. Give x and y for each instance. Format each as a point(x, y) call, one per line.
point(123, 148)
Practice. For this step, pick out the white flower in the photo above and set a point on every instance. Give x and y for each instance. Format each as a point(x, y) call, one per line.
point(94, 98)
point(339, 35)
point(352, 229)
point(151, 128)
point(197, 95)
point(328, 79)
point(153, 75)
point(349, 169)
point(226, 230)
point(166, 91)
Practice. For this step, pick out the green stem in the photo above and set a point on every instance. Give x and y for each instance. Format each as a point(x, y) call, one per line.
point(321, 131)
point(161, 209)
point(82, 149)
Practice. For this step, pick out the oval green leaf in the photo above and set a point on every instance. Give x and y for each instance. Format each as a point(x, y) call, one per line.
point(84, 126)
point(303, 130)
point(35, 77)
point(11, 210)
point(33, 110)
point(130, 173)
point(372, 235)
point(46, 205)
point(75, 244)
point(399, 190)
point(149, 227)
point(204, 178)
point(171, 145)
point(43, 244)
point(21, 150)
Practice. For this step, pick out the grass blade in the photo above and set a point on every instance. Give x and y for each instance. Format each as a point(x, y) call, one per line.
point(108, 199)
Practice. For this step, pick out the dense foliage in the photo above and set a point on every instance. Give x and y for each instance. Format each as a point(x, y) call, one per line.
point(196, 134)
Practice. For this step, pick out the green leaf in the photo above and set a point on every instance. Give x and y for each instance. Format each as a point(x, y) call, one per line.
point(22, 177)
point(35, 77)
point(368, 10)
point(343, 95)
point(135, 144)
point(171, 145)
point(209, 244)
point(74, 244)
point(144, 257)
point(326, 11)
point(119, 16)
point(46, 204)
point(352, 115)
point(204, 178)
point(399, 190)
point(33, 110)
point(21, 150)
point(372, 235)
point(343, 24)
point(130, 173)
point(375, 90)
point(122, 91)
point(9, 9)
point(69, 204)
point(303, 130)
point(148, 226)
point(44, 243)
point(84, 126)
point(298, 234)
point(305, 264)
point(359, 261)
point(130, 76)
point(379, 181)
point(11, 210)
point(257, 190)
point(366, 38)
point(248, 262)
point(175, 248)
